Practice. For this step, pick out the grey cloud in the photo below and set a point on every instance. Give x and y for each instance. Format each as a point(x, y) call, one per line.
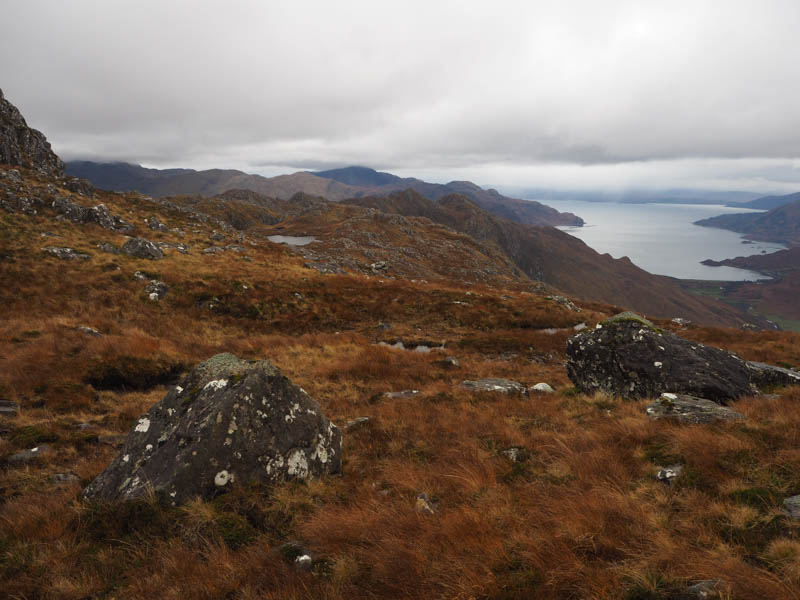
point(609, 92)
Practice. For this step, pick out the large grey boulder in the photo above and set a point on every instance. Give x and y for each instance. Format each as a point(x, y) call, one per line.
point(627, 356)
point(142, 248)
point(229, 421)
point(503, 386)
point(21, 145)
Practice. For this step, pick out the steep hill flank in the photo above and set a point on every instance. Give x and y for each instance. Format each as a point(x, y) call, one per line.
point(781, 224)
point(558, 259)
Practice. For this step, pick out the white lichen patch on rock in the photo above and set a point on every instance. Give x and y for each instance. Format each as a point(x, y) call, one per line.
point(297, 464)
point(216, 384)
point(143, 425)
point(222, 478)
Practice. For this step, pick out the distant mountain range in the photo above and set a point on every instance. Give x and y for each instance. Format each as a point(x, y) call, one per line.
point(780, 224)
point(335, 185)
point(637, 196)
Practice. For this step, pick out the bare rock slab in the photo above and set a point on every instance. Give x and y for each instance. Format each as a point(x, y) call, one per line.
point(503, 386)
point(627, 356)
point(690, 409)
point(228, 421)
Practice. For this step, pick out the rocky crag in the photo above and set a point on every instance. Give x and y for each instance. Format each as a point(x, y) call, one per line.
point(23, 146)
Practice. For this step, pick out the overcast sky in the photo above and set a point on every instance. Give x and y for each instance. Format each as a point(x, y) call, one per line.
point(567, 93)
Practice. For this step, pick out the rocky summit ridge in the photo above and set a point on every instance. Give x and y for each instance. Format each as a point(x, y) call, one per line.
point(22, 145)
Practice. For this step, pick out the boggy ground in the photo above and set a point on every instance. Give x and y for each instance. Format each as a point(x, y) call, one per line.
point(579, 515)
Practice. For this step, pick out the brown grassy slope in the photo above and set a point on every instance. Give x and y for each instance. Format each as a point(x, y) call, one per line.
point(580, 516)
point(566, 263)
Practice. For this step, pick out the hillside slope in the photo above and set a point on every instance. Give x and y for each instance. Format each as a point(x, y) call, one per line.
point(780, 225)
point(558, 259)
point(768, 202)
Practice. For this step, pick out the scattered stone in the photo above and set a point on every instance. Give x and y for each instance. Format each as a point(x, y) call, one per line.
point(142, 248)
point(690, 409)
point(26, 456)
point(543, 388)
point(213, 250)
point(27, 206)
point(66, 253)
point(423, 505)
point(565, 302)
point(140, 276)
point(228, 421)
point(83, 426)
point(398, 345)
point(216, 236)
point(356, 423)
point(82, 215)
point(791, 506)
point(450, 362)
point(155, 224)
point(89, 331)
point(304, 562)
point(381, 265)
point(64, 478)
point(400, 395)
point(156, 290)
point(235, 248)
point(108, 248)
point(579, 327)
point(669, 474)
point(514, 454)
point(9, 408)
point(384, 326)
point(627, 356)
point(708, 588)
point(78, 186)
point(681, 322)
point(505, 386)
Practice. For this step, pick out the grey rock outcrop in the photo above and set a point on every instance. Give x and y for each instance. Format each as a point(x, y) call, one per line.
point(65, 253)
point(142, 248)
point(765, 376)
point(81, 215)
point(791, 506)
point(626, 356)
point(228, 421)
point(503, 386)
point(682, 408)
point(21, 145)
point(156, 290)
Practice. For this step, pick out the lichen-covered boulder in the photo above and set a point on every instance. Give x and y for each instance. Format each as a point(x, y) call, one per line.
point(503, 386)
point(627, 356)
point(229, 421)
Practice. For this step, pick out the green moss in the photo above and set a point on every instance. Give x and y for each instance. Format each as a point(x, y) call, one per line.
point(234, 530)
point(756, 497)
point(30, 436)
point(631, 317)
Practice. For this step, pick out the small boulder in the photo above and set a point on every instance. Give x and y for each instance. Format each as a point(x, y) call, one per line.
point(543, 388)
point(213, 250)
point(450, 362)
point(228, 421)
point(108, 248)
point(400, 395)
point(142, 248)
point(9, 408)
point(356, 423)
point(66, 253)
point(503, 386)
point(155, 224)
point(156, 290)
point(669, 474)
point(791, 506)
point(26, 456)
point(627, 356)
point(64, 478)
point(690, 409)
point(91, 331)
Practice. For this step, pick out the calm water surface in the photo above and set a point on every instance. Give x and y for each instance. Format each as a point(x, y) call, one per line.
point(661, 239)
